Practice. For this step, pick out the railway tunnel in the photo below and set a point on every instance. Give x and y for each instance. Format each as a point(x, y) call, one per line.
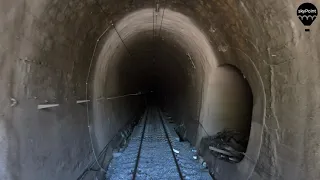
point(210, 65)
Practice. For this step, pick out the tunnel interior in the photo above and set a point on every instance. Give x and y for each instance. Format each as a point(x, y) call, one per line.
point(157, 64)
point(97, 63)
point(157, 67)
point(155, 70)
point(162, 73)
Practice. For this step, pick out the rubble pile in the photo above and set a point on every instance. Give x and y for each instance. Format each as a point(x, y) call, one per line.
point(228, 145)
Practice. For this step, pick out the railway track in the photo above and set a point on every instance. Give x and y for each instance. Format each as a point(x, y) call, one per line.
point(153, 153)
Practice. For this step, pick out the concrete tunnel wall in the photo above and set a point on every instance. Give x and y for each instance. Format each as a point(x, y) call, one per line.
point(47, 47)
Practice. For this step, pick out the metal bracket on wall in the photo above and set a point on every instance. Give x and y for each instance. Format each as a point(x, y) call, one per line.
point(157, 7)
point(13, 102)
point(46, 106)
point(82, 101)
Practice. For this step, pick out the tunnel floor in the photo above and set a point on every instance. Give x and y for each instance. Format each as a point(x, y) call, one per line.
point(154, 152)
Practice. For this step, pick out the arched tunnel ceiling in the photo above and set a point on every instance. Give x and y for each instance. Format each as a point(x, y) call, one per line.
point(46, 50)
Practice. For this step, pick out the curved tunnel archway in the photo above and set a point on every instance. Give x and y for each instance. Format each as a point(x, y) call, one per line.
point(170, 57)
point(177, 53)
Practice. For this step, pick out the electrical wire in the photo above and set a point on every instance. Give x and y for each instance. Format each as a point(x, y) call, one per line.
point(164, 7)
point(87, 81)
point(87, 109)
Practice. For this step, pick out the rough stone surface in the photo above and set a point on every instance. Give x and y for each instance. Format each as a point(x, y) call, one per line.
point(46, 48)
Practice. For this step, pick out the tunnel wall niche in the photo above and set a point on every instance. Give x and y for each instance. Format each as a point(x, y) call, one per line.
point(230, 102)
